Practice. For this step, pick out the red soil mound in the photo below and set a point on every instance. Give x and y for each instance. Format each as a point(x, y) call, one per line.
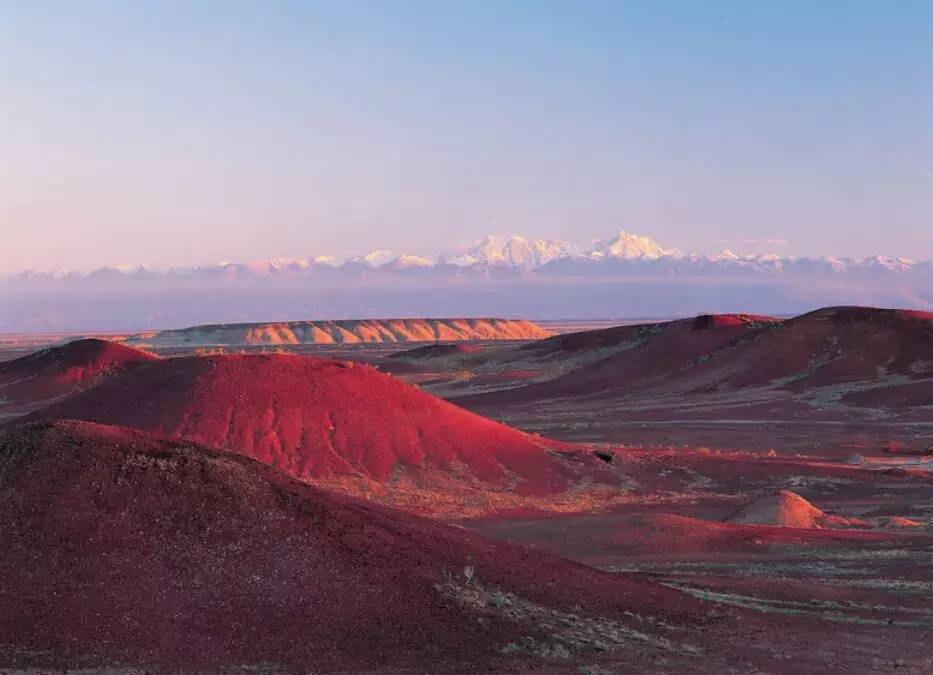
point(886, 352)
point(117, 547)
point(35, 380)
point(321, 419)
point(623, 335)
point(638, 356)
point(436, 351)
point(897, 522)
point(788, 509)
point(832, 346)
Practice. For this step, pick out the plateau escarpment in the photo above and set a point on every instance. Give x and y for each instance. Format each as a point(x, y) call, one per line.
point(344, 332)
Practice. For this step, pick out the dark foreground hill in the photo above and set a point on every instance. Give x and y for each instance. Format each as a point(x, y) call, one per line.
point(118, 548)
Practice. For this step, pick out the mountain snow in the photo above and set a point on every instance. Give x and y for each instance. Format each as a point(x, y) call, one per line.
point(622, 276)
point(626, 245)
point(498, 255)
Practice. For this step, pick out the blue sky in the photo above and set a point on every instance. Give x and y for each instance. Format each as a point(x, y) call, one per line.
point(191, 132)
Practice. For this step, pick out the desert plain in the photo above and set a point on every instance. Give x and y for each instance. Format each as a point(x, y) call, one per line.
point(720, 493)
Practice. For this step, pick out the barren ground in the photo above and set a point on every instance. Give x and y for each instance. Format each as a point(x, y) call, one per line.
point(854, 599)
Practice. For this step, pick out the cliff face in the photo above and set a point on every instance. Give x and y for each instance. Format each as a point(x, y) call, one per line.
point(345, 332)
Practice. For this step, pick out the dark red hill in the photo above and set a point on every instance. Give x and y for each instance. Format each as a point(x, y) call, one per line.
point(629, 335)
point(831, 346)
point(339, 422)
point(120, 548)
point(874, 353)
point(636, 355)
point(38, 379)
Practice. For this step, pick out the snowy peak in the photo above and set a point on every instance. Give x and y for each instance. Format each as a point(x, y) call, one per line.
point(626, 245)
point(407, 261)
point(523, 253)
point(487, 251)
point(325, 260)
point(501, 256)
point(378, 258)
point(515, 250)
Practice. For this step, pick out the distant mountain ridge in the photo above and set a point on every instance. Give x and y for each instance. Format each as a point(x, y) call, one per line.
point(544, 256)
point(626, 275)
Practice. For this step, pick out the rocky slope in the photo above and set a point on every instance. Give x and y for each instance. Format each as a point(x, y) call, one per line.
point(119, 550)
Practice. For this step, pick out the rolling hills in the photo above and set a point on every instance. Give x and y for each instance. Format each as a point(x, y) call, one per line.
point(38, 379)
point(346, 425)
point(838, 364)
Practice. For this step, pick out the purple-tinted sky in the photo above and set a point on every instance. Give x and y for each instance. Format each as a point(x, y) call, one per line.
point(189, 132)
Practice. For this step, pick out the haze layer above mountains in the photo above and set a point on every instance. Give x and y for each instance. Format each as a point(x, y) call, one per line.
point(623, 276)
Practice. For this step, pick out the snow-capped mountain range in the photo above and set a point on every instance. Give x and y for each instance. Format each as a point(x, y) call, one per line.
point(503, 252)
point(515, 250)
point(622, 276)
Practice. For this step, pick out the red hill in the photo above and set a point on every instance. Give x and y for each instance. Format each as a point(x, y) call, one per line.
point(627, 336)
point(635, 356)
point(120, 548)
point(831, 346)
point(38, 379)
point(788, 509)
point(859, 356)
point(344, 424)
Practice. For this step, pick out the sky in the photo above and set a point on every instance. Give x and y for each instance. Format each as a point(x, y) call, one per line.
point(162, 132)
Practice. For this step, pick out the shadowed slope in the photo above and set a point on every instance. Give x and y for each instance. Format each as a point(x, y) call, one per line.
point(829, 346)
point(334, 421)
point(841, 355)
point(626, 336)
point(117, 547)
point(632, 356)
point(38, 379)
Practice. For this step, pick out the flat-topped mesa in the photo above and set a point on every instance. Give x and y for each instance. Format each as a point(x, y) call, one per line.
point(349, 331)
